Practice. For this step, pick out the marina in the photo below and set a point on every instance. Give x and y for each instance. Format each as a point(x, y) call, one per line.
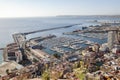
point(63, 52)
point(59, 44)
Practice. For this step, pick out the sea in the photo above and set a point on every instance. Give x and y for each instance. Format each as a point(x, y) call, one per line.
point(9, 26)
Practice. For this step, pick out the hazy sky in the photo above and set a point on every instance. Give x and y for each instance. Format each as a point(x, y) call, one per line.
point(34, 8)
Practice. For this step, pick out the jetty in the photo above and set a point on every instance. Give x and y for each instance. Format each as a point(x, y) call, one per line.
point(42, 30)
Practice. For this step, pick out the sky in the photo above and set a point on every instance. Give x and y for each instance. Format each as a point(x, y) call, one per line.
point(41, 8)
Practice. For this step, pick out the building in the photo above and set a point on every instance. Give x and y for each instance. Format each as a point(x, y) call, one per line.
point(104, 47)
point(13, 52)
point(111, 39)
point(113, 36)
point(96, 47)
point(116, 49)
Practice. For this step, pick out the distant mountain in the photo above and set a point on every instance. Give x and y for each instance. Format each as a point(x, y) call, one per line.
point(75, 16)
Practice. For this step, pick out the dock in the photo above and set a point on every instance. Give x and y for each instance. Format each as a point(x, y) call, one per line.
point(37, 53)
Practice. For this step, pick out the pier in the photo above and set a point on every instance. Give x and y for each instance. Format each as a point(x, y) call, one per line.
point(68, 26)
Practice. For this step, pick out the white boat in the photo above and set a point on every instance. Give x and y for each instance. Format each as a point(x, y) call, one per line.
point(89, 42)
point(75, 47)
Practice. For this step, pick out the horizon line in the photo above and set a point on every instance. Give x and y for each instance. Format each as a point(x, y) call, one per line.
point(58, 16)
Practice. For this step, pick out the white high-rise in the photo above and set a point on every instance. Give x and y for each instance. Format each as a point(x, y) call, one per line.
point(111, 38)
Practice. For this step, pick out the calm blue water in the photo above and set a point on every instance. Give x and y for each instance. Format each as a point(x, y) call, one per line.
point(15, 25)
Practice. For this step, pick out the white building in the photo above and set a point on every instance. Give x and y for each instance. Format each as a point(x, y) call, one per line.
point(111, 39)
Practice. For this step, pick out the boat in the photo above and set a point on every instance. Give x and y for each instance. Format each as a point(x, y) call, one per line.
point(76, 47)
point(57, 49)
point(89, 42)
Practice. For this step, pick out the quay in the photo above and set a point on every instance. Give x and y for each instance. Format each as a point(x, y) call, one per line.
point(37, 52)
point(37, 39)
point(91, 31)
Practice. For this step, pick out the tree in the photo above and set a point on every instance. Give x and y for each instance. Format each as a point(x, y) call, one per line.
point(56, 56)
point(55, 75)
point(7, 71)
point(35, 60)
point(45, 75)
point(80, 73)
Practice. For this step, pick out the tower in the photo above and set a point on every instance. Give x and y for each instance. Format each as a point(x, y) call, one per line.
point(111, 37)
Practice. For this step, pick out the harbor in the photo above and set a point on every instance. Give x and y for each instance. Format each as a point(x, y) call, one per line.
point(59, 40)
point(86, 49)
